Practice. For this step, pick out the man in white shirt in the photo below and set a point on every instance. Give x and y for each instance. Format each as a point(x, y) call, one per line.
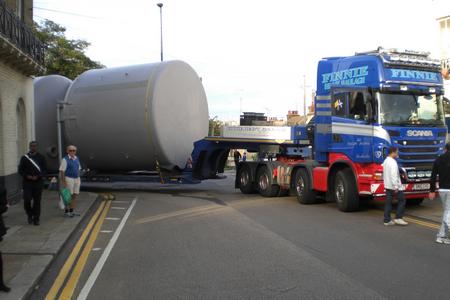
point(393, 185)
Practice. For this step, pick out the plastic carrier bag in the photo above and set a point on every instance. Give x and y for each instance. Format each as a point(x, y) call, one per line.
point(66, 196)
point(61, 204)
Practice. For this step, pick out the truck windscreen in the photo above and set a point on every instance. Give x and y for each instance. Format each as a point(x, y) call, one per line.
point(409, 109)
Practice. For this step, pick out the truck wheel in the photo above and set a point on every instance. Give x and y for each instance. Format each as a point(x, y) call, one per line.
point(303, 189)
point(245, 182)
point(414, 202)
point(264, 183)
point(345, 191)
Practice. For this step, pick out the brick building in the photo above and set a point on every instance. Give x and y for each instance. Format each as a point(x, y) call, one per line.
point(21, 58)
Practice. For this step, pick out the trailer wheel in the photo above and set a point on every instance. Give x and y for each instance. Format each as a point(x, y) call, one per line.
point(245, 182)
point(345, 192)
point(264, 183)
point(303, 189)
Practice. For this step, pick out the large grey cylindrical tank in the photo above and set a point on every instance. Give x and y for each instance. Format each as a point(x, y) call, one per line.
point(48, 91)
point(131, 118)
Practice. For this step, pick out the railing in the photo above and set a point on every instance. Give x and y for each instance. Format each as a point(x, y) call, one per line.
point(13, 29)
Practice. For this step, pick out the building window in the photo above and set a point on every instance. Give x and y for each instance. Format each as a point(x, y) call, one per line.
point(21, 128)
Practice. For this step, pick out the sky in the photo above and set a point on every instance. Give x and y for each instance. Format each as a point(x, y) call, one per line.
point(252, 55)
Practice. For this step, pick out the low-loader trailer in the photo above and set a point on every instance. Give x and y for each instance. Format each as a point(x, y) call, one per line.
point(364, 104)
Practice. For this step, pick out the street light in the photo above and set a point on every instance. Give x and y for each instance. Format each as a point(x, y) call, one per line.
point(304, 97)
point(160, 5)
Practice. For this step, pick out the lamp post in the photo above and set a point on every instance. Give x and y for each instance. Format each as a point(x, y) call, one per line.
point(304, 97)
point(160, 5)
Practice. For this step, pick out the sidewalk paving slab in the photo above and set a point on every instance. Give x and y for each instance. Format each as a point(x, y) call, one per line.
point(28, 250)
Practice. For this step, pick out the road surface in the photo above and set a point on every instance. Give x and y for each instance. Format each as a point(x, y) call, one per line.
point(209, 241)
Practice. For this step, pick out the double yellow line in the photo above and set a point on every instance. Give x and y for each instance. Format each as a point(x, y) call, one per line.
point(410, 219)
point(90, 233)
point(420, 222)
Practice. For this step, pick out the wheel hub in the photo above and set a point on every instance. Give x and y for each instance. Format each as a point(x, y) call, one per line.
point(263, 182)
point(300, 187)
point(339, 190)
point(244, 179)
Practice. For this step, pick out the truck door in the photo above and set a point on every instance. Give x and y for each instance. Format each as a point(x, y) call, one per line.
point(352, 126)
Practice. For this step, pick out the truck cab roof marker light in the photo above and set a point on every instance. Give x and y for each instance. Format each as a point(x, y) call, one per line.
point(381, 50)
point(406, 58)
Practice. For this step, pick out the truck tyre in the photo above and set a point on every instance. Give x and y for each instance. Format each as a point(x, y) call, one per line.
point(264, 183)
point(303, 188)
point(414, 202)
point(244, 177)
point(345, 192)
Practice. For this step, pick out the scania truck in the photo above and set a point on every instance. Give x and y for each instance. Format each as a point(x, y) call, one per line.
point(364, 104)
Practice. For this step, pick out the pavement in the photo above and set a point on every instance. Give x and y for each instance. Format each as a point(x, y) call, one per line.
point(29, 250)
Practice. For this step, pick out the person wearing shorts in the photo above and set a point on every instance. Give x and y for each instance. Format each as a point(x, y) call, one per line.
point(69, 172)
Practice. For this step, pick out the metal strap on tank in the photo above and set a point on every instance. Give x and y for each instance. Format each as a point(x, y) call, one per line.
point(147, 118)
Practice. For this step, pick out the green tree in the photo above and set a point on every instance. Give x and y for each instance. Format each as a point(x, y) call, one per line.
point(214, 127)
point(63, 56)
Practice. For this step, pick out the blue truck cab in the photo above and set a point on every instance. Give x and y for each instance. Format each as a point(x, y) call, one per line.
point(373, 100)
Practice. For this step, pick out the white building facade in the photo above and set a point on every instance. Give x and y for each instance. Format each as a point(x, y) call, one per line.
point(21, 57)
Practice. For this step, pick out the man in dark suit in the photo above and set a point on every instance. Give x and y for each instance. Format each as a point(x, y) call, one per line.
point(32, 168)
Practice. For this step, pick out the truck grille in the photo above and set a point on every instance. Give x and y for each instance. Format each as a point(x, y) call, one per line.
point(419, 150)
point(417, 156)
point(418, 142)
point(417, 166)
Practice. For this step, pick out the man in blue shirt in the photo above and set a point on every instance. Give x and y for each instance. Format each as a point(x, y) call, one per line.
point(69, 173)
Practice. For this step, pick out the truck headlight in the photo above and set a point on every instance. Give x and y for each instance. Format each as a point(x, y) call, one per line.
point(412, 174)
point(378, 176)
